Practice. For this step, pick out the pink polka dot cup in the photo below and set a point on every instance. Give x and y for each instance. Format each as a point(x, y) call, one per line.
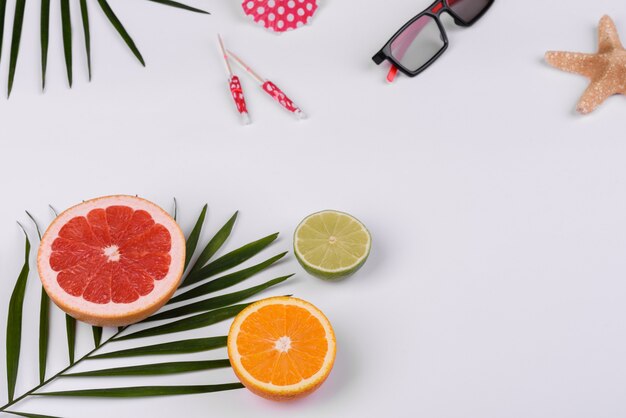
point(280, 15)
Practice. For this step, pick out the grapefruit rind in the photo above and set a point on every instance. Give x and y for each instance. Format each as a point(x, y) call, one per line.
point(269, 390)
point(113, 314)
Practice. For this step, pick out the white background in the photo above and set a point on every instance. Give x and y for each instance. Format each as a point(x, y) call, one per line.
point(496, 283)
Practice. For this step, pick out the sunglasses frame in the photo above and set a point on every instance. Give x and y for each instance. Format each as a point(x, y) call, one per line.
point(434, 11)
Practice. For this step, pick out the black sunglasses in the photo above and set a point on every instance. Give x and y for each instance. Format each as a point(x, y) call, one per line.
point(423, 39)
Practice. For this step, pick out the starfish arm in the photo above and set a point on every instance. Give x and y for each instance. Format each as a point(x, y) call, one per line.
point(608, 38)
point(596, 93)
point(573, 62)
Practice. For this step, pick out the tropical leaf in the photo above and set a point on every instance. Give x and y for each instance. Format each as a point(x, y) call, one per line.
point(120, 29)
point(177, 347)
point(145, 391)
point(84, 12)
point(226, 281)
point(32, 218)
point(44, 319)
point(66, 26)
point(192, 240)
point(27, 415)
point(203, 313)
point(186, 324)
point(180, 6)
point(3, 9)
point(214, 244)
point(54, 211)
point(18, 20)
point(97, 336)
point(156, 369)
point(70, 327)
point(216, 302)
point(67, 33)
point(44, 333)
point(14, 322)
point(230, 260)
point(44, 38)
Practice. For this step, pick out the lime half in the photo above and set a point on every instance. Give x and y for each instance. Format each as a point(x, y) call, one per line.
point(331, 244)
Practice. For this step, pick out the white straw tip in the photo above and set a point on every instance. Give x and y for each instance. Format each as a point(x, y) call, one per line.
point(300, 114)
point(245, 119)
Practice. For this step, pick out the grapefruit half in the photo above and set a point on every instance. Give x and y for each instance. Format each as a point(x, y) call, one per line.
point(112, 261)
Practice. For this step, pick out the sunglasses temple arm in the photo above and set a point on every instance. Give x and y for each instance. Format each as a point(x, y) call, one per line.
point(391, 75)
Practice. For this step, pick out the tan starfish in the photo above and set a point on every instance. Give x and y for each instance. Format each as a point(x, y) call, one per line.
point(606, 68)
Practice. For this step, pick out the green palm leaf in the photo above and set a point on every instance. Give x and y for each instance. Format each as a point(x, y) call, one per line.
point(3, 9)
point(177, 347)
point(84, 12)
point(14, 322)
point(67, 33)
point(18, 20)
point(230, 260)
point(194, 322)
point(175, 215)
point(44, 34)
point(66, 26)
point(70, 328)
point(97, 335)
point(156, 369)
point(44, 320)
point(216, 302)
point(120, 29)
point(44, 333)
point(145, 391)
point(192, 241)
point(27, 415)
point(203, 313)
point(180, 6)
point(34, 223)
point(214, 244)
point(226, 281)
point(54, 211)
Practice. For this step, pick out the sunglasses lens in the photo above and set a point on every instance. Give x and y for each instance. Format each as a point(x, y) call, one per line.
point(418, 43)
point(467, 10)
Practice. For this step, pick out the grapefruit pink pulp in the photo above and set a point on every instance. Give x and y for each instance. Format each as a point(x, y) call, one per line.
point(112, 261)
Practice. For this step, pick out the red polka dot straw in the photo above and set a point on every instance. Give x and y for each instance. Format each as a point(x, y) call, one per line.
point(235, 86)
point(280, 15)
point(270, 88)
point(266, 85)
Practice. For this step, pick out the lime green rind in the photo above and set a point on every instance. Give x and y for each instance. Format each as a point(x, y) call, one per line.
point(336, 274)
point(332, 276)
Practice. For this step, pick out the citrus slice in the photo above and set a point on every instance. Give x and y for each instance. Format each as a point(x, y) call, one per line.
point(112, 261)
point(331, 244)
point(281, 348)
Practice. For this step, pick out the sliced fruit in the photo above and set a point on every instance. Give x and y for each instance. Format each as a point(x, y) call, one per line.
point(331, 244)
point(112, 261)
point(281, 348)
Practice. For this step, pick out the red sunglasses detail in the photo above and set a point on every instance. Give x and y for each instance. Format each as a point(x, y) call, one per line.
point(436, 9)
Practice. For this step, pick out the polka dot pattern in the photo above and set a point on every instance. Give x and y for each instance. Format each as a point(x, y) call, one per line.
point(280, 15)
point(237, 92)
point(278, 95)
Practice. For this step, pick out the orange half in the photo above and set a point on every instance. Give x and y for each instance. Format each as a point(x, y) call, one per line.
point(281, 348)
